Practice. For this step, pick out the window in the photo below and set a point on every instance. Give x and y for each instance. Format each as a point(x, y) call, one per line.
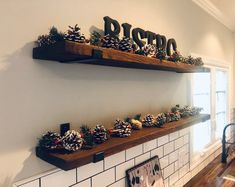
point(210, 91)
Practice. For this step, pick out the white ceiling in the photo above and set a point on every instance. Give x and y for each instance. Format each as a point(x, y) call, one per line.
point(222, 10)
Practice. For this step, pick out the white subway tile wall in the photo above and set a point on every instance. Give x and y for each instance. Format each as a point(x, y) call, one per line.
point(173, 151)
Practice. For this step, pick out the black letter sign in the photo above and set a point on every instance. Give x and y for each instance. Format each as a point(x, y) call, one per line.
point(161, 41)
point(169, 43)
point(151, 36)
point(107, 27)
point(135, 35)
point(126, 29)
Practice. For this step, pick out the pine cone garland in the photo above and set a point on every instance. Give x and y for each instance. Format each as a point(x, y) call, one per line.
point(74, 34)
point(122, 129)
point(72, 141)
point(87, 137)
point(100, 134)
point(109, 42)
point(50, 140)
point(148, 121)
point(136, 124)
point(125, 45)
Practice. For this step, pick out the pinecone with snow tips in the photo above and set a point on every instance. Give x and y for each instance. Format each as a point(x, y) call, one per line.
point(100, 134)
point(72, 141)
point(110, 42)
point(125, 45)
point(74, 34)
point(122, 129)
point(148, 121)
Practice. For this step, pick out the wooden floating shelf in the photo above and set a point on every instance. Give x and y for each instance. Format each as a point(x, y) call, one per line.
point(115, 145)
point(72, 52)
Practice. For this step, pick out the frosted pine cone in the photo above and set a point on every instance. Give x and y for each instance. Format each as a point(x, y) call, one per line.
point(44, 40)
point(122, 129)
point(148, 121)
point(161, 54)
point(74, 34)
point(160, 120)
point(50, 140)
point(72, 140)
point(100, 134)
point(149, 50)
point(125, 45)
point(110, 42)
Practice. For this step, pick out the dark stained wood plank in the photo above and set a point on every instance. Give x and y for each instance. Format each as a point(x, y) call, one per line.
point(115, 145)
point(72, 52)
point(210, 175)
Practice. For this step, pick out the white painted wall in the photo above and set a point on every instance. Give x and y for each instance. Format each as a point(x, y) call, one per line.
point(36, 95)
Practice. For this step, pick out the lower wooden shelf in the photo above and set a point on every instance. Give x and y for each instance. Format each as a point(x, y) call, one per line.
point(115, 145)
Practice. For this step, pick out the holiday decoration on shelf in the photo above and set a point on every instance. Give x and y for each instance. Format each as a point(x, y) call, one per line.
point(110, 42)
point(50, 141)
point(125, 45)
point(121, 129)
point(74, 34)
point(95, 38)
point(136, 123)
point(51, 38)
point(72, 141)
point(148, 120)
point(161, 54)
point(160, 120)
point(87, 137)
point(149, 50)
point(100, 134)
point(175, 57)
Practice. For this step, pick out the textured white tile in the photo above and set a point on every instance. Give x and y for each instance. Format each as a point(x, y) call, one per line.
point(174, 135)
point(184, 131)
point(150, 145)
point(120, 183)
point(168, 171)
point(186, 158)
point(173, 156)
point(164, 161)
point(163, 140)
point(104, 179)
point(183, 170)
point(86, 183)
point(157, 152)
point(34, 183)
point(134, 151)
point(173, 178)
point(186, 138)
point(89, 170)
point(179, 142)
point(176, 165)
point(142, 158)
point(168, 148)
point(121, 169)
point(59, 179)
point(114, 160)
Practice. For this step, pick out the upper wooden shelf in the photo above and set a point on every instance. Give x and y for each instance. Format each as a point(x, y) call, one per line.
point(115, 145)
point(72, 52)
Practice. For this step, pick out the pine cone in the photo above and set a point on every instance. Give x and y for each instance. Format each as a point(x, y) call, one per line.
point(74, 34)
point(149, 50)
point(109, 42)
point(44, 40)
point(160, 120)
point(100, 134)
point(168, 117)
point(125, 45)
point(175, 57)
point(122, 129)
point(72, 140)
point(50, 140)
point(148, 121)
point(87, 137)
point(198, 61)
point(161, 54)
point(95, 38)
point(136, 124)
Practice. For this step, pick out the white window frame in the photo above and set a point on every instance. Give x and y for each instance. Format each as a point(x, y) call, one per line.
point(213, 64)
